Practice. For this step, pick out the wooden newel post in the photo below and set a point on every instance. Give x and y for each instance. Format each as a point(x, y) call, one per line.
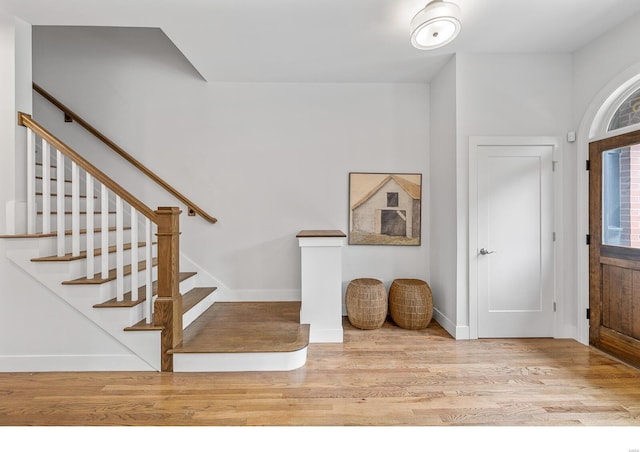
point(168, 305)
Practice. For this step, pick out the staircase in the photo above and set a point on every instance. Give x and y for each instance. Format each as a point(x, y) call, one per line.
point(90, 242)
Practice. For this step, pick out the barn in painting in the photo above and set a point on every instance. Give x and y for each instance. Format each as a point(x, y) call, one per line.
point(388, 214)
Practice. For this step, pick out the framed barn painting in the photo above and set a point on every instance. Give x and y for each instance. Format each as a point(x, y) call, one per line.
point(385, 209)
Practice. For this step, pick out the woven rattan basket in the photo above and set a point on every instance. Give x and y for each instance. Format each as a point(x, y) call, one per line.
point(410, 303)
point(366, 301)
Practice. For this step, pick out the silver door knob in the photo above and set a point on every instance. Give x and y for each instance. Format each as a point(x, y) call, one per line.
point(484, 252)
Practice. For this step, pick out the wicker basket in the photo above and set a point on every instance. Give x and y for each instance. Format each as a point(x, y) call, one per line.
point(410, 303)
point(366, 301)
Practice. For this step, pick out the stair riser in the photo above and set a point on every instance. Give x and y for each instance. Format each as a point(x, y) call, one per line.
point(67, 177)
point(83, 221)
point(68, 271)
point(97, 239)
point(138, 312)
point(107, 291)
point(68, 203)
point(190, 316)
point(47, 246)
point(78, 268)
point(54, 175)
point(53, 187)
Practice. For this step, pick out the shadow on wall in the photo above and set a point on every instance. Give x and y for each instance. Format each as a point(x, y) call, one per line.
point(255, 265)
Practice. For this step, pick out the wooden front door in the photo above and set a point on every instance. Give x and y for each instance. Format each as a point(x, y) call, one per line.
point(614, 252)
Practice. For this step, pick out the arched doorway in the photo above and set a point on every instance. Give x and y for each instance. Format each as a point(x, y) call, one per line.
point(614, 228)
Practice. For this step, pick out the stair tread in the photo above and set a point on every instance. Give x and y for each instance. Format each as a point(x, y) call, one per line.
point(97, 278)
point(83, 254)
point(53, 179)
point(246, 327)
point(195, 296)
point(69, 212)
point(66, 195)
point(142, 325)
point(128, 303)
point(53, 234)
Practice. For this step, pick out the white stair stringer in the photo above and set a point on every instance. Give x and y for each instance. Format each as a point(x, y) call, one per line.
point(143, 344)
point(226, 293)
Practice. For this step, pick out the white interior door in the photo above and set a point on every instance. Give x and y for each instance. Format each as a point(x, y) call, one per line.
point(513, 250)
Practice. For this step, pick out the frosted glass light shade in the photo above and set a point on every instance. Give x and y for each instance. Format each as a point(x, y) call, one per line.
point(436, 25)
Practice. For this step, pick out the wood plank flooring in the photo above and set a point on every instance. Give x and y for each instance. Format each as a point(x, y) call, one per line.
point(388, 376)
point(246, 327)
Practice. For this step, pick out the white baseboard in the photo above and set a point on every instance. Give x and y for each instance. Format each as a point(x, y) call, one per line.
point(262, 295)
point(325, 335)
point(72, 363)
point(462, 333)
point(458, 332)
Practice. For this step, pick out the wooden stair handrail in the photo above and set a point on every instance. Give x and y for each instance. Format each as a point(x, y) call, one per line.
point(26, 121)
point(192, 207)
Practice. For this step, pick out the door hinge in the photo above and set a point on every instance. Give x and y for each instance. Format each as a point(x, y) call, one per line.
point(588, 239)
point(554, 236)
point(588, 165)
point(554, 306)
point(588, 313)
point(553, 166)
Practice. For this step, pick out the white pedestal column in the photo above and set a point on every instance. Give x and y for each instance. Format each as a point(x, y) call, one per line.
point(322, 284)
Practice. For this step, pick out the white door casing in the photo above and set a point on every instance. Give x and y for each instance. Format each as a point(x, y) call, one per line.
point(511, 289)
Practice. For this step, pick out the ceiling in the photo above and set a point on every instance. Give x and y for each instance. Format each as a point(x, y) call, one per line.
point(334, 40)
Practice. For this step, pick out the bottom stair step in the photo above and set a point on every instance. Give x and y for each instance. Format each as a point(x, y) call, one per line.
point(195, 296)
point(244, 336)
point(189, 300)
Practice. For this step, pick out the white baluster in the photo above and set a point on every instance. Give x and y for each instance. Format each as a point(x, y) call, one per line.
point(90, 226)
point(75, 209)
point(46, 187)
point(148, 275)
point(119, 249)
point(31, 182)
point(60, 190)
point(104, 231)
point(134, 254)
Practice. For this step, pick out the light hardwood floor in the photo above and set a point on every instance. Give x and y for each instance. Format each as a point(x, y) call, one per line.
point(388, 376)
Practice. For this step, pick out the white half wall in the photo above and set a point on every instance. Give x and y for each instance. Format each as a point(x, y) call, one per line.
point(15, 95)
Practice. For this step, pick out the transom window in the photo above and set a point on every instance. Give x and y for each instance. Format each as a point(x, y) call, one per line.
point(627, 114)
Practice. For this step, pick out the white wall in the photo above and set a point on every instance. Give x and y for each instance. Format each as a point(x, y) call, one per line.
point(266, 159)
point(442, 189)
point(603, 61)
point(509, 95)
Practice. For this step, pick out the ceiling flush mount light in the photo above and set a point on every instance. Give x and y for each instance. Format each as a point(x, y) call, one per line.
point(436, 25)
